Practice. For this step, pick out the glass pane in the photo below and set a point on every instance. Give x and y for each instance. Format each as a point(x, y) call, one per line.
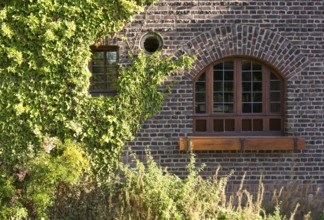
point(257, 76)
point(257, 97)
point(229, 75)
point(256, 66)
point(275, 96)
point(228, 86)
point(201, 125)
point(200, 108)
point(99, 86)
point(257, 86)
point(98, 55)
point(218, 75)
point(218, 107)
point(257, 125)
point(275, 124)
point(202, 77)
point(246, 87)
point(246, 108)
point(218, 97)
point(99, 78)
point(246, 125)
point(98, 69)
point(275, 107)
point(200, 86)
point(218, 66)
point(218, 125)
point(246, 76)
point(273, 77)
point(228, 108)
point(246, 65)
point(275, 85)
point(218, 86)
point(257, 107)
point(200, 97)
point(229, 65)
point(98, 62)
point(228, 97)
point(246, 97)
point(229, 125)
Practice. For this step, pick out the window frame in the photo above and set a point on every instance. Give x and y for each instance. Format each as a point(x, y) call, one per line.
point(104, 48)
point(209, 116)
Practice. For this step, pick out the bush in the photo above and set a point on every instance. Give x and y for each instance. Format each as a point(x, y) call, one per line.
point(147, 191)
point(30, 191)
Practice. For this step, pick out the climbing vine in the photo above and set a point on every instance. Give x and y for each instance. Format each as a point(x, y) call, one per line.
point(44, 52)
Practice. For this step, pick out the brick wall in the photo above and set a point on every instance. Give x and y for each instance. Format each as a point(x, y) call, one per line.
point(287, 35)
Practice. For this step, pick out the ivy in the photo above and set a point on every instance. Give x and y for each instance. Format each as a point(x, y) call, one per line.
point(44, 53)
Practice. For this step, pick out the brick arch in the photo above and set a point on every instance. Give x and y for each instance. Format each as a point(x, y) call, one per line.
point(244, 40)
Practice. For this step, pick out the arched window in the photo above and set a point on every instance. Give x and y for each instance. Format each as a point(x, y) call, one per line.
point(238, 97)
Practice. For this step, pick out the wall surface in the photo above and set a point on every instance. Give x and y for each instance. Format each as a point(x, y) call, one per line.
point(285, 34)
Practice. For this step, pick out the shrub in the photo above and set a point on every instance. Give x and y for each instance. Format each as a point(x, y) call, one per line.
point(147, 191)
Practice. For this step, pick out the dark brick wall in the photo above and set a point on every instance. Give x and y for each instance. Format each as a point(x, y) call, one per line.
point(286, 34)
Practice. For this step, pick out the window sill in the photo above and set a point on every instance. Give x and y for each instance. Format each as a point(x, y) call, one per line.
point(240, 143)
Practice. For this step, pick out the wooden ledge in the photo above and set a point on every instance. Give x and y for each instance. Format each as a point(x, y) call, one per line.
point(242, 143)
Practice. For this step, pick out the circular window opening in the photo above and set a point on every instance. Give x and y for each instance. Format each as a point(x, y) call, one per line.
point(151, 42)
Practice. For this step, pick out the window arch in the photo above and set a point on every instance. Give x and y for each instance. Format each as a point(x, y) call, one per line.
point(238, 96)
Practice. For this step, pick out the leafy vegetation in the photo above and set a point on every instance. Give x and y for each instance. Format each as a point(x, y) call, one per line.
point(147, 191)
point(44, 103)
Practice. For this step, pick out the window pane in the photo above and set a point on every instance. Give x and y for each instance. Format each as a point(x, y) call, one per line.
point(218, 125)
point(246, 125)
point(246, 76)
point(275, 124)
point(256, 66)
point(246, 65)
point(218, 66)
point(229, 125)
point(201, 125)
point(257, 107)
point(200, 108)
point(246, 97)
point(218, 75)
point(218, 108)
point(228, 108)
point(257, 76)
point(257, 97)
point(98, 55)
point(257, 125)
point(228, 86)
point(98, 69)
point(228, 97)
point(218, 97)
point(246, 87)
point(257, 86)
point(275, 107)
point(247, 108)
point(97, 62)
point(275, 85)
point(218, 86)
point(200, 86)
point(228, 75)
point(200, 97)
point(229, 65)
point(275, 96)
point(200, 94)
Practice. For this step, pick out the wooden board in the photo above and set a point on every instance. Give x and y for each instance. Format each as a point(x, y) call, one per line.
point(241, 143)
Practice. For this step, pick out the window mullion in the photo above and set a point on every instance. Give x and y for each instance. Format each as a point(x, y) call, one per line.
point(266, 96)
point(209, 96)
point(238, 92)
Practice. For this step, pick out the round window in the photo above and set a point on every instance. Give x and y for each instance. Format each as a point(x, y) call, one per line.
point(151, 42)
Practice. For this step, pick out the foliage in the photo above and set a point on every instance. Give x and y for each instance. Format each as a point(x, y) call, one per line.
point(33, 187)
point(147, 191)
point(44, 53)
